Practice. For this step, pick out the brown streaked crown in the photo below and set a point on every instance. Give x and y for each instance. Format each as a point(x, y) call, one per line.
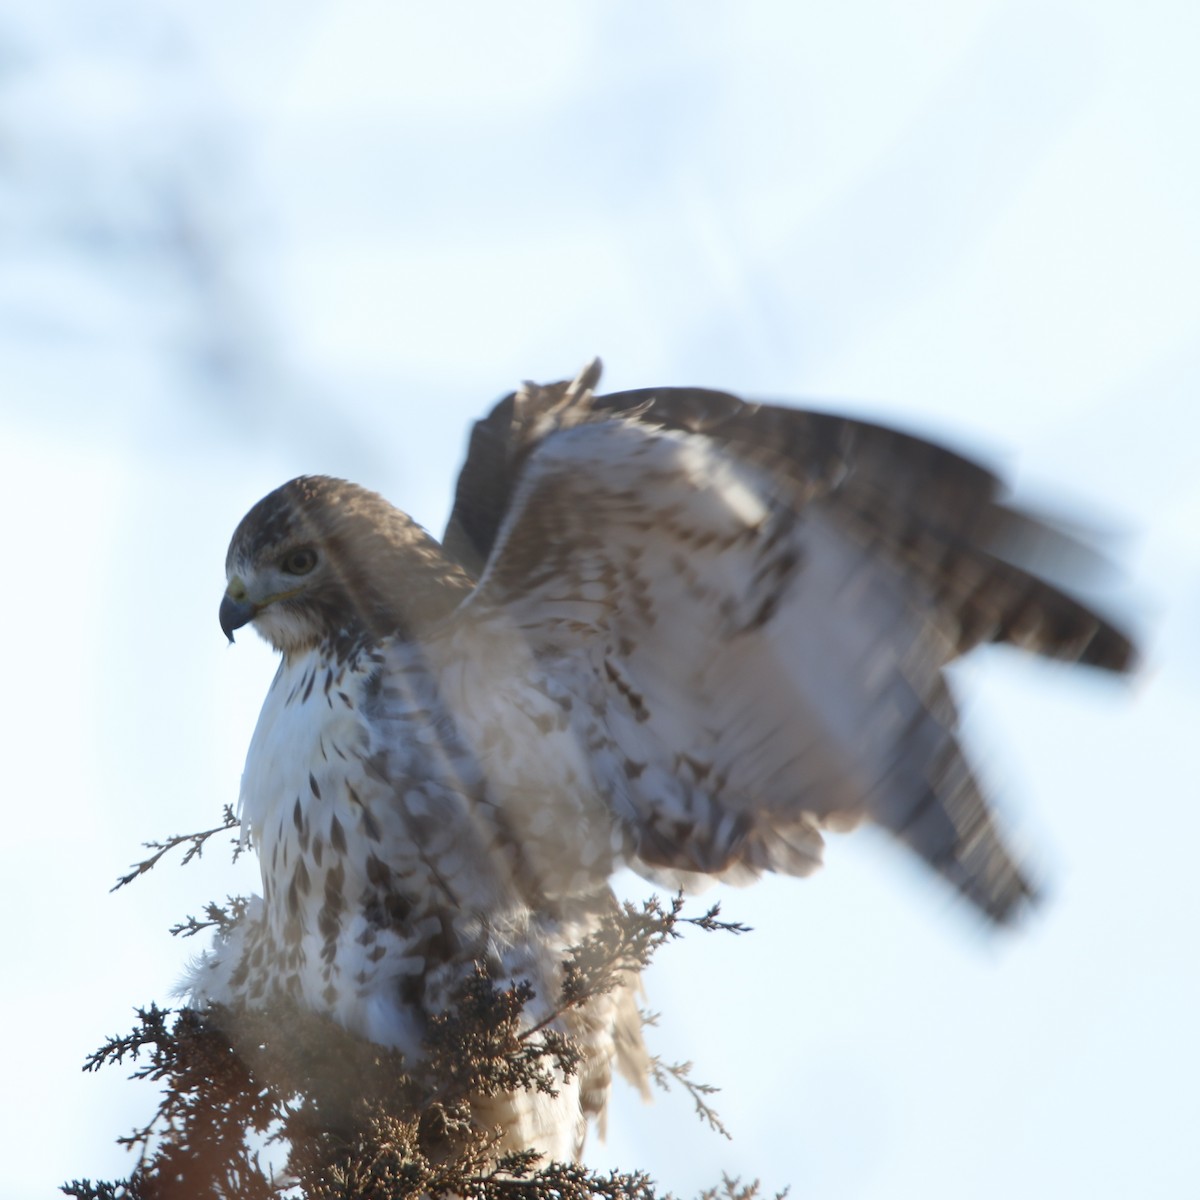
point(379, 572)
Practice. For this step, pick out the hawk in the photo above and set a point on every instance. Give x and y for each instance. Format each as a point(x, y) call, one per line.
point(666, 629)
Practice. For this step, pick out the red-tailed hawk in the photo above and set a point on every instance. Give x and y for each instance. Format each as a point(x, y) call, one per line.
point(666, 629)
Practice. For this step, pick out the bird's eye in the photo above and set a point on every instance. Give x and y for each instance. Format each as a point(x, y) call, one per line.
point(299, 562)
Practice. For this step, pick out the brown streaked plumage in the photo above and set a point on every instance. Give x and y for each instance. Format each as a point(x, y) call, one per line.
point(381, 574)
point(667, 629)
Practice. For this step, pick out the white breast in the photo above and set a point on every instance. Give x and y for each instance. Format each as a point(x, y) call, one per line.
point(307, 731)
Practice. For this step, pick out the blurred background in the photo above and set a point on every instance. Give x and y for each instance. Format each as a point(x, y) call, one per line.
point(242, 241)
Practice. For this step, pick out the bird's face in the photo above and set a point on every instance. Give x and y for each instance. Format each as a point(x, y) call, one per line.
point(274, 595)
point(282, 572)
point(324, 562)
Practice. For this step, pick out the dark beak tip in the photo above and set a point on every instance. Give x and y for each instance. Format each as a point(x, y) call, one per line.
point(233, 615)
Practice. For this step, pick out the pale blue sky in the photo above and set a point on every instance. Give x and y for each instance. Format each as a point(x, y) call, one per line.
point(259, 239)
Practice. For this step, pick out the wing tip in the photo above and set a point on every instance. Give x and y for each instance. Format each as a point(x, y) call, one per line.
point(1008, 905)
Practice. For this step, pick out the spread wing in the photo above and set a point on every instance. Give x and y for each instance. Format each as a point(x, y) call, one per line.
point(764, 600)
point(939, 514)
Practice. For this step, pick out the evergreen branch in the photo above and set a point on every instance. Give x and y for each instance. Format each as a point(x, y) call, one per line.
point(193, 841)
point(662, 1073)
point(355, 1121)
point(220, 917)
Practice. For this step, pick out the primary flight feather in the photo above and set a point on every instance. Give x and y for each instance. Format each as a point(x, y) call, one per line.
point(666, 629)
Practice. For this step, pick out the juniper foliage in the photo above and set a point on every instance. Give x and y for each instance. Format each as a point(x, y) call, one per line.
point(351, 1120)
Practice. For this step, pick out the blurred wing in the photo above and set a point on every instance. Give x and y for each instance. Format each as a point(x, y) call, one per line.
point(937, 514)
point(759, 625)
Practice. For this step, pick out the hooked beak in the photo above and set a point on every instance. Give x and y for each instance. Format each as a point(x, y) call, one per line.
point(236, 609)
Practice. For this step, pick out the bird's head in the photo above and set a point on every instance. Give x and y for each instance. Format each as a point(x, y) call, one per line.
point(323, 561)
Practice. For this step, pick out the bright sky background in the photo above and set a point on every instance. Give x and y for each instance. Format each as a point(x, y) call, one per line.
point(241, 241)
